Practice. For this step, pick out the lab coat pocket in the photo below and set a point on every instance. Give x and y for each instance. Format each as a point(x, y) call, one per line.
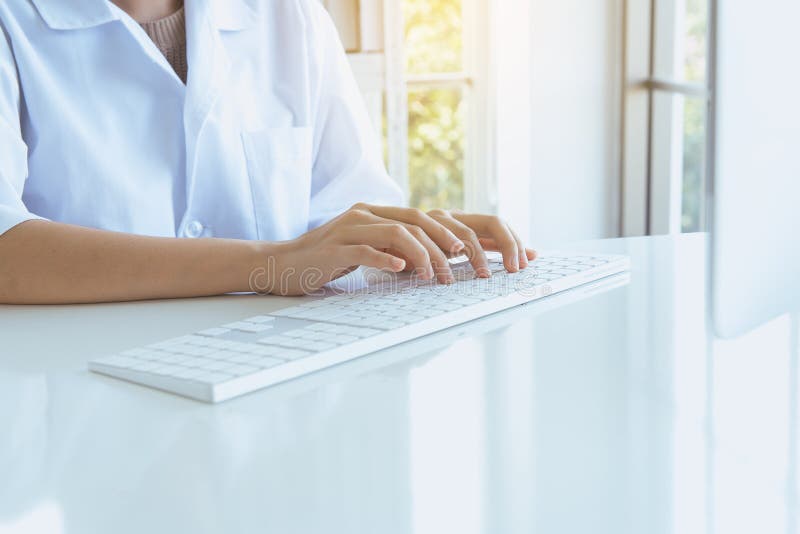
point(279, 164)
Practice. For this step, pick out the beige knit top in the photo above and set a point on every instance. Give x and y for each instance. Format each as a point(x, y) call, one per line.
point(169, 35)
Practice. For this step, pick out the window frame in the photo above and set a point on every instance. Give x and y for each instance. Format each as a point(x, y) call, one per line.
point(652, 158)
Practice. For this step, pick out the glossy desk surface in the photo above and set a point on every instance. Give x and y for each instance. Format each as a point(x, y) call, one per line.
point(613, 413)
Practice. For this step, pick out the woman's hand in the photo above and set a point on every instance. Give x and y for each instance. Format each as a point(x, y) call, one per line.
point(389, 238)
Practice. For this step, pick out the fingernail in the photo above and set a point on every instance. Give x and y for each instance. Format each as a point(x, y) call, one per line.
point(398, 264)
point(459, 246)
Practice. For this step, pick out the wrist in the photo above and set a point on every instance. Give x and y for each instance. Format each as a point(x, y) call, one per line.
point(268, 260)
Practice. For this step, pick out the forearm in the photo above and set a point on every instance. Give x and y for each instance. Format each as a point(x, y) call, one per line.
point(51, 263)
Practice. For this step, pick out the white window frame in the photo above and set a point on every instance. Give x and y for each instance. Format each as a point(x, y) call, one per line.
point(652, 156)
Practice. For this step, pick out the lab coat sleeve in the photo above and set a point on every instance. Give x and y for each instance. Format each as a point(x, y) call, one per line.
point(13, 151)
point(348, 162)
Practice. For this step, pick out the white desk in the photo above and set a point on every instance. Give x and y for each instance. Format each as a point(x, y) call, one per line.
point(613, 414)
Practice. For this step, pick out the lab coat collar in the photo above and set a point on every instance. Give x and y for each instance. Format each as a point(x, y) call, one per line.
point(229, 15)
point(76, 14)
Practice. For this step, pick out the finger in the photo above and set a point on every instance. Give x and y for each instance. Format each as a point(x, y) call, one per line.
point(397, 238)
point(441, 267)
point(489, 244)
point(490, 226)
point(371, 257)
point(439, 264)
point(473, 249)
point(523, 257)
point(444, 238)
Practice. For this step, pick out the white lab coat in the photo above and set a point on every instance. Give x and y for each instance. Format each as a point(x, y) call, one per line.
point(268, 138)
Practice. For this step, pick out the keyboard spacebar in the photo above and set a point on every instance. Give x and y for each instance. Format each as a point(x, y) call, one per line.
point(354, 318)
point(312, 314)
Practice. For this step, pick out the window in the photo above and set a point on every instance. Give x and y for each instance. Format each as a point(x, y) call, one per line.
point(666, 103)
point(694, 117)
point(437, 89)
point(422, 67)
point(442, 103)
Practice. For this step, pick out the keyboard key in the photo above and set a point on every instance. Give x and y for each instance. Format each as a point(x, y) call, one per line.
point(174, 348)
point(146, 366)
point(189, 373)
point(194, 350)
point(221, 354)
point(390, 324)
point(239, 370)
point(319, 346)
point(360, 332)
point(215, 365)
point(265, 351)
point(241, 357)
point(149, 354)
point(276, 340)
point(190, 339)
point(466, 301)
point(293, 354)
point(344, 339)
point(447, 307)
point(241, 347)
point(265, 362)
point(176, 358)
point(198, 361)
point(394, 313)
point(317, 314)
point(336, 299)
point(167, 370)
point(119, 361)
point(369, 321)
point(311, 335)
point(260, 319)
point(322, 327)
point(295, 333)
point(163, 345)
point(563, 272)
point(253, 328)
point(289, 312)
point(297, 343)
point(213, 332)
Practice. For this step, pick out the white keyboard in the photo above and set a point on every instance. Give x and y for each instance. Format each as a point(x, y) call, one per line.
point(217, 364)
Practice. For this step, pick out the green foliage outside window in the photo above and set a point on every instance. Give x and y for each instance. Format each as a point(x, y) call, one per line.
point(436, 148)
point(433, 36)
point(436, 134)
